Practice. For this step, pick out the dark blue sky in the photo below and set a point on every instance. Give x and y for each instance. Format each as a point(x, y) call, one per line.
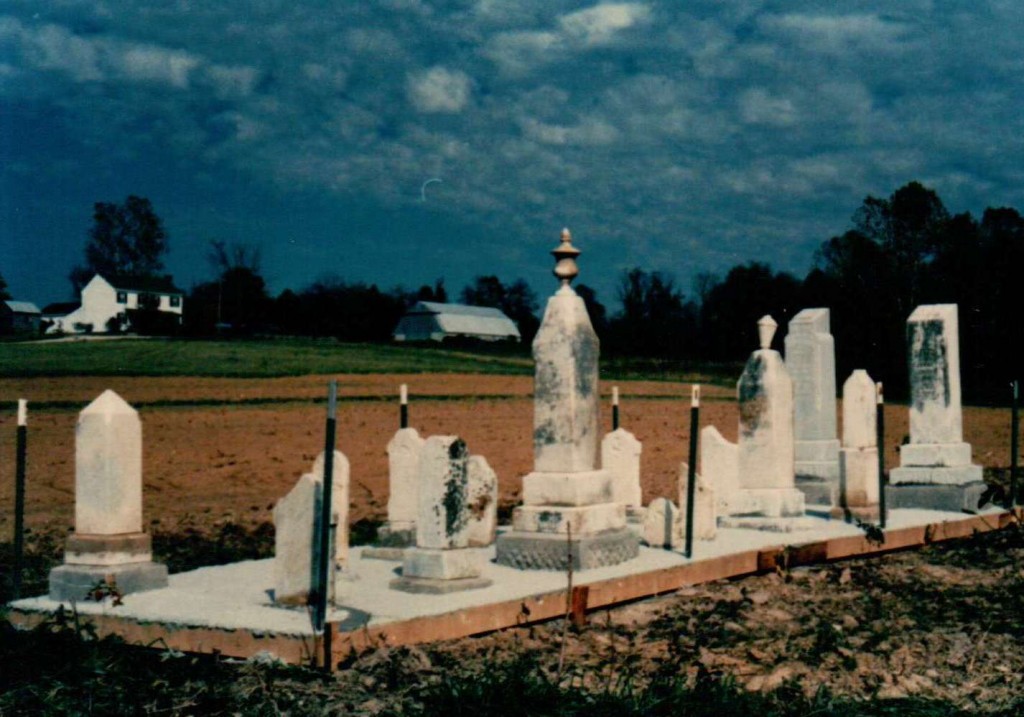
point(681, 137)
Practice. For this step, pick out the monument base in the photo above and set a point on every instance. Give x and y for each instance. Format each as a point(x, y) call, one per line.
point(817, 459)
point(768, 503)
point(858, 512)
point(954, 498)
point(75, 582)
point(817, 491)
point(554, 551)
point(769, 524)
point(437, 564)
point(376, 552)
point(390, 535)
point(433, 586)
point(935, 475)
point(580, 520)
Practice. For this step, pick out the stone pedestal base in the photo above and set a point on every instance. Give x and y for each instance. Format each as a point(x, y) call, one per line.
point(579, 488)
point(817, 459)
point(768, 503)
point(935, 475)
point(431, 570)
point(402, 535)
point(771, 525)
point(817, 491)
point(552, 551)
point(376, 552)
point(121, 549)
point(867, 513)
point(581, 520)
point(955, 498)
point(73, 582)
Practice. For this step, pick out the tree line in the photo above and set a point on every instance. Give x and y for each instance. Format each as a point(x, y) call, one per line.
point(898, 252)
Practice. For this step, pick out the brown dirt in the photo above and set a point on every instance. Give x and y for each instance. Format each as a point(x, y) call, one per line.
point(205, 465)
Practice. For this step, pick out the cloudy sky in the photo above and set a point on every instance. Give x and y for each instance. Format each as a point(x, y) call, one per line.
point(677, 136)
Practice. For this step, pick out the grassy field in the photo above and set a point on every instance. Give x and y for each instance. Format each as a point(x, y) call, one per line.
point(302, 357)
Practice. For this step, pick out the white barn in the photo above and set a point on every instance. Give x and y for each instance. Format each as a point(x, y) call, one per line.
point(430, 321)
point(107, 301)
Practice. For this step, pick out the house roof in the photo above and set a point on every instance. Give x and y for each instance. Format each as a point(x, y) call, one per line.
point(22, 307)
point(154, 284)
point(62, 308)
point(462, 320)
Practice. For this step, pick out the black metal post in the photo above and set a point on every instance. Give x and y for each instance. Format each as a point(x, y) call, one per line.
point(403, 408)
point(1014, 443)
point(691, 473)
point(324, 543)
point(615, 408)
point(19, 494)
point(880, 442)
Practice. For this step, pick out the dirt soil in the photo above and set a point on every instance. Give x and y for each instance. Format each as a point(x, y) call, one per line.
point(224, 450)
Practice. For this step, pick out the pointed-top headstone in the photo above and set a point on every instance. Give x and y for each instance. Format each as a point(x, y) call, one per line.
point(108, 403)
point(108, 468)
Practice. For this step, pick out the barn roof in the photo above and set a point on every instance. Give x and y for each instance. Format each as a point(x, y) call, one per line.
point(463, 320)
point(22, 307)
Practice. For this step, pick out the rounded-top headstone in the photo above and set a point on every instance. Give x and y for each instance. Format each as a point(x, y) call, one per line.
point(766, 327)
point(859, 410)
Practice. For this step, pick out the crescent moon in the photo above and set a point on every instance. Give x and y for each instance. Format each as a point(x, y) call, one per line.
point(423, 189)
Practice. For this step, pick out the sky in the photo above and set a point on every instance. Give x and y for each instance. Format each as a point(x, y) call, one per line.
point(682, 137)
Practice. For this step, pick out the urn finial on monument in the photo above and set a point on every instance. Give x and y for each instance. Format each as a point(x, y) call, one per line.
point(565, 266)
point(766, 330)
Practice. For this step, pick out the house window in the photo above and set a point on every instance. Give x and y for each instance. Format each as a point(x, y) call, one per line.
point(122, 297)
point(175, 301)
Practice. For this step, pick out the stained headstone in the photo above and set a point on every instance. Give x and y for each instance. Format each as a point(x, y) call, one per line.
point(620, 456)
point(811, 363)
point(443, 560)
point(765, 446)
point(108, 544)
point(663, 525)
point(705, 506)
point(565, 495)
point(937, 455)
point(858, 459)
point(297, 531)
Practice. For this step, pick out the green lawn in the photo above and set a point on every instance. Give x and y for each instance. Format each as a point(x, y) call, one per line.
point(161, 357)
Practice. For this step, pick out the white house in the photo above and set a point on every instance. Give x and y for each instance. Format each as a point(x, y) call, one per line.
point(430, 321)
point(108, 304)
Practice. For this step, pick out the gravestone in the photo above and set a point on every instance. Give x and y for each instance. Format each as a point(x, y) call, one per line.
point(483, 502)
point(620, 456)
point(858, 458)
point(566, 496)
point(403, 472)
point(663, 525)
point(811, 363)
point(935, 468)
point(705, 506)
point(767, 492)
point(720, 466)
point(443, 561)
point(108, 544)
point(297, 533)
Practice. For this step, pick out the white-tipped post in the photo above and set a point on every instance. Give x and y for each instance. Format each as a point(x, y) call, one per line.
point(878, 393)
point(403, 394)
point(695, 396)
point(615, 395)
point(22, 412)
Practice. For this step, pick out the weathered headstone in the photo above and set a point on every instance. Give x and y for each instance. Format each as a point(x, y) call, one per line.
point(620, 456)
point(935, 467)
point(566, 494)
point(811, 363)
point(108, 544)
point(483, 502)
point(705, 506)
point(720, 466)
point(766, 463)
point(403, 490)
point(443, 560)
point(663, 525)
point(858, 459)
point(297, 531)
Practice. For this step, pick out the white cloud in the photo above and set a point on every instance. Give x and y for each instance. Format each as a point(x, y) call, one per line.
point(519, 52)
point(837, 33)
point(599, 24)
point(758, 106)
point(438, 89)
point(149, 63)
point(589, 132)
